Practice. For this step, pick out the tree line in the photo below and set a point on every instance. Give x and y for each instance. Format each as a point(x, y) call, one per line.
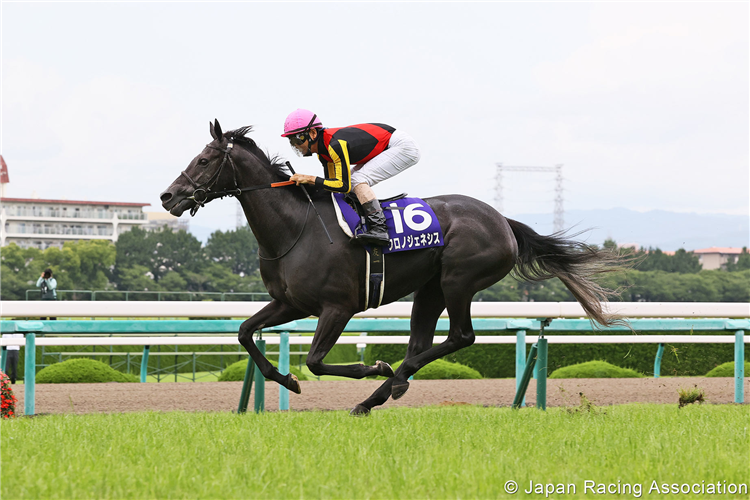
point(154, 261)
point(176, 261)
point(655, 276)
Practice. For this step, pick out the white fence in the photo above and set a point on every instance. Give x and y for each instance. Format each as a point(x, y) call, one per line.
point(552, 310)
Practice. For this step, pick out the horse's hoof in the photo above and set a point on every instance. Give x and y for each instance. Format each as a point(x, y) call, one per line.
point(399, 390)
point(360, 411)
point(384, 369)
point(294, 384)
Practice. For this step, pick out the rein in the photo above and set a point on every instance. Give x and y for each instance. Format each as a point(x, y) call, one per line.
point(203, 194)
point(304, 223)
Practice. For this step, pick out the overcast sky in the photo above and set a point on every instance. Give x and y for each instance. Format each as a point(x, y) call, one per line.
point(645, 104)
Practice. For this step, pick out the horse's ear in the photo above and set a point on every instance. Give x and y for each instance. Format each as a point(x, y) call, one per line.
point(216, 130)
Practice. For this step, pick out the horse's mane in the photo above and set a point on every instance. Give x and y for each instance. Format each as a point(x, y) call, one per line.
point(276, 164)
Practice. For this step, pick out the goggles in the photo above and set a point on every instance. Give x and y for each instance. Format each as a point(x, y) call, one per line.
point(298, 139)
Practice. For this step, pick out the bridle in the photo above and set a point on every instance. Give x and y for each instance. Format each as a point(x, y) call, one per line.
point(203, 194)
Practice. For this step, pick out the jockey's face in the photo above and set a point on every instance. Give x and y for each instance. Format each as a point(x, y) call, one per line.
point(301, 145)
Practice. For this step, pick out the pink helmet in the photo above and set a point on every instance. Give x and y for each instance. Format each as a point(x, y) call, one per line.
point(300, 120)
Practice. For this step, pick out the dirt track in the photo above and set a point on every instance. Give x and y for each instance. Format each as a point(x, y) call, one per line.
point(344, 395)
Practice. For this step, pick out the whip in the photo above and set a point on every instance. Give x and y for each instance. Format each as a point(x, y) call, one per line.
point(313, 205)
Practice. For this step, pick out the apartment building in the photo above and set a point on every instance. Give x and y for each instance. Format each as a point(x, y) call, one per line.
point(157, 221)
point(30, 222)
point(34, 222)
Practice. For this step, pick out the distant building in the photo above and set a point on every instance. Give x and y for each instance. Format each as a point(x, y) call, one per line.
point(157, 221)
point(716, 257)
point(33, 222)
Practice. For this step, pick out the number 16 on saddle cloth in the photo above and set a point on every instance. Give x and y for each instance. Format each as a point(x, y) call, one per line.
point(412, 225)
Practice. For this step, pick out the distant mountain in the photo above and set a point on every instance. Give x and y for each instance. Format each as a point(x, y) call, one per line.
point(657, 228)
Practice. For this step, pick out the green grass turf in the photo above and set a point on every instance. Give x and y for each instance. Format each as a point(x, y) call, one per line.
point(435, 452)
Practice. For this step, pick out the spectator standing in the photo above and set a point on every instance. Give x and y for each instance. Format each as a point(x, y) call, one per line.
point(11, 362)
point(48, 285)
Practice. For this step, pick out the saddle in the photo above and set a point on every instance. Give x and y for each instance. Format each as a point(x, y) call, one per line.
point(352, 200)
point(412, 225)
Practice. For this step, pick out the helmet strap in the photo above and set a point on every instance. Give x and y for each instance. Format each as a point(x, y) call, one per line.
point(306, 132)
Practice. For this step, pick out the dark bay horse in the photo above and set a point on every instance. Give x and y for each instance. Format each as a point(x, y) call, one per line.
point(307, 276)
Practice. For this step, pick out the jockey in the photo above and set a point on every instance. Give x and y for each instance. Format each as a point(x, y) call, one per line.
point(377, 152)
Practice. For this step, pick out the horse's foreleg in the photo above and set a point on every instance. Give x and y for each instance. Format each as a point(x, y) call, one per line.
point(428, 305)
point(330, 325)
point(275, 313)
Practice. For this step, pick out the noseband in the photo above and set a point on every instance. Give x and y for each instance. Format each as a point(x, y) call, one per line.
point(203, 194)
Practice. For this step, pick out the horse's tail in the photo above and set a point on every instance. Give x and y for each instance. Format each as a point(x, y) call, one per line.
point(574, 263)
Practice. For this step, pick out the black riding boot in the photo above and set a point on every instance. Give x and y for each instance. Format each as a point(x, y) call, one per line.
point(377, 231)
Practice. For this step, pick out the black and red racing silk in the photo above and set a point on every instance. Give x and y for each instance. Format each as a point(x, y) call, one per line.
point(340, 148)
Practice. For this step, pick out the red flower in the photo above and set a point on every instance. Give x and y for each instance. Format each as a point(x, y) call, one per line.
point(8, 400)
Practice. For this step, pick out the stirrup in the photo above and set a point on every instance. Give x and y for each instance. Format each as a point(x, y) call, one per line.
point(368, 238)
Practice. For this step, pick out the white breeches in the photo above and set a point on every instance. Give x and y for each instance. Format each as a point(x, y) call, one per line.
point(402, 153)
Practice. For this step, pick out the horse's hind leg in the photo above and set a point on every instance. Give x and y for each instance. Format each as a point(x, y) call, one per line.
point(428, 305)
point(460, 335)
point(468, 265)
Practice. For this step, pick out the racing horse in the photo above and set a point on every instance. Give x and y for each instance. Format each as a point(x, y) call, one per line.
point(306, 275)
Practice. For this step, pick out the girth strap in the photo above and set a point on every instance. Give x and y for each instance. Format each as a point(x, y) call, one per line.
point(376, 277)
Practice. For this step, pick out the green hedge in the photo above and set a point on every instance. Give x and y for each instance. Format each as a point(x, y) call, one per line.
point(595, 369)
point(727, 370)
point(491, 361)
point(236, 372)
point(344, 353)
point(183, 360)
point(499, 360)
point(81, 371)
